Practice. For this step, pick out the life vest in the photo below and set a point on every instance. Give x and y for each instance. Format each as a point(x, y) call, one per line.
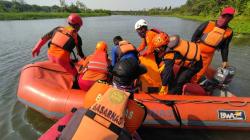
point(135, 111)
point(189, 51)
point(213, 36)
point(152, 34)
point(156, 30)
point(124, 48)
point(98, 62)
point(62, 37)
point(147, 41)
point(105, 119)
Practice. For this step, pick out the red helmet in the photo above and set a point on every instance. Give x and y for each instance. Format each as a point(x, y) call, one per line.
point(75, 19)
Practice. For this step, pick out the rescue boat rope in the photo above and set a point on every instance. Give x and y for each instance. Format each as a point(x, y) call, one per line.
point(232, 103)
point(46, 69)
point(172, 104)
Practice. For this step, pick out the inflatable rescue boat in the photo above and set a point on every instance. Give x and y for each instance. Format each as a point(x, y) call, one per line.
point(46, 88)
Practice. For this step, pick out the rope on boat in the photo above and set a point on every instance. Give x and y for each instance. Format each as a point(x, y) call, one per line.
point(47, 69)
point(171, 104)
point(232, 103)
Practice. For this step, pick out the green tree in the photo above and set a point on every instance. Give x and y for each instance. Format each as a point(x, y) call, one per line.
point(1, 8)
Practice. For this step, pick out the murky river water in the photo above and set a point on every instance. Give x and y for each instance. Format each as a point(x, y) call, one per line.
point(17, 38)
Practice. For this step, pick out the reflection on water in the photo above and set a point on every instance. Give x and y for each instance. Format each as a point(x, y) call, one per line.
point(18, 38)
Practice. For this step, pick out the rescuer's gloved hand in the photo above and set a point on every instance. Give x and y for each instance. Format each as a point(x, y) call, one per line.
point(161, 68)
point(164, 90)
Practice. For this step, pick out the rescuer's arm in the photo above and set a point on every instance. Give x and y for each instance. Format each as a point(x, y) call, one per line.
point(79, 47)
point(42, 41)
point(225, 50)
point(198, 32)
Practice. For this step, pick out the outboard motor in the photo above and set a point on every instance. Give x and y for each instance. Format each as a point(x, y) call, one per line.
point(221, 79)
point(224, 76)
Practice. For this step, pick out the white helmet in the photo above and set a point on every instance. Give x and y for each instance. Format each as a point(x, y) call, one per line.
point(140, 23)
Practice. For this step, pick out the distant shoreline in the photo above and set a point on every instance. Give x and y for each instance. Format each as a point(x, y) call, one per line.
point(240, 24)
point(43, 15)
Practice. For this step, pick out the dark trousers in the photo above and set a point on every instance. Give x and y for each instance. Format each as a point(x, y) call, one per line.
point(184, 75)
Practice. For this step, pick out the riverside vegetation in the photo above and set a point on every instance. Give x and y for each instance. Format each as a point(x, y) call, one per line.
point(19, 10)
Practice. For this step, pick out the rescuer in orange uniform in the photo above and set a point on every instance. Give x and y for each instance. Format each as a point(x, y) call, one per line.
point(63, 41)
point(146, 46)
point(214, 35)
point(184, 54)
point(95, 67)
point(151, 81)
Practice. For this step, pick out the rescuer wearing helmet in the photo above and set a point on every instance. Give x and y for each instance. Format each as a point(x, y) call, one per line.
point(147, 35)
point(214, 35)
point(95, 67)
point(63, 41)
point(151, 81)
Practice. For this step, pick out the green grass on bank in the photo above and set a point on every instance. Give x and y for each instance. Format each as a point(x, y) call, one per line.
point(43, 15)
point(240, 24)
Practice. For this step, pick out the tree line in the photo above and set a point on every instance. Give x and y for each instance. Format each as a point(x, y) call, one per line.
point(212, 7)
point(21, 6)
point(195, 8)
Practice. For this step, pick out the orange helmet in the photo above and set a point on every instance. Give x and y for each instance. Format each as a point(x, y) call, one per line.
point(102, 46)
point(160, 40)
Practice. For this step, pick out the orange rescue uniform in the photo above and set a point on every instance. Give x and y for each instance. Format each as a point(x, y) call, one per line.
point(95, 68)
point(209, 38)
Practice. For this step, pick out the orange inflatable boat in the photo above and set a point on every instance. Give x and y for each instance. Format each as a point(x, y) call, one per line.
point(46, 88)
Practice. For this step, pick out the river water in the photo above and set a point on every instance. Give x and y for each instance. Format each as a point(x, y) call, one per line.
point(17, 38)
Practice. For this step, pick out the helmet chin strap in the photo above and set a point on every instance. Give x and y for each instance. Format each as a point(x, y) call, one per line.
point(76, 27)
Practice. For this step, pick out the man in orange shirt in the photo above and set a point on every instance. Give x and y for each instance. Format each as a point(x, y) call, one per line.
point(151, 81)
point(147, 35)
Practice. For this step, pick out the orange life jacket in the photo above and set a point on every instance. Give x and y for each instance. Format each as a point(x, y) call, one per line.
point(62, 36)
point(147, 41)
point(212, 36)
point(125, 47)
point(104, 119)
point(135, 112)
point(189, 51)
point(98, 62)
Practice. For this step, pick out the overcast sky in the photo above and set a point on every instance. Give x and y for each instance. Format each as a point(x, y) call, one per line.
point(116, 4)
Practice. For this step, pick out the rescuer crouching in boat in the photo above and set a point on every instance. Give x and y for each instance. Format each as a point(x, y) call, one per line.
point(94, 67)
point(123, 49)
point(184, 54)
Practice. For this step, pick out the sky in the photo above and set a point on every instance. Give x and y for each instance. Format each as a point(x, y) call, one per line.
point(116, 4)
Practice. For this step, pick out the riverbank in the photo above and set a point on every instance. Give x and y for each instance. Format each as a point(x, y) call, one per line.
point(43, 15)
point(240, 24)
